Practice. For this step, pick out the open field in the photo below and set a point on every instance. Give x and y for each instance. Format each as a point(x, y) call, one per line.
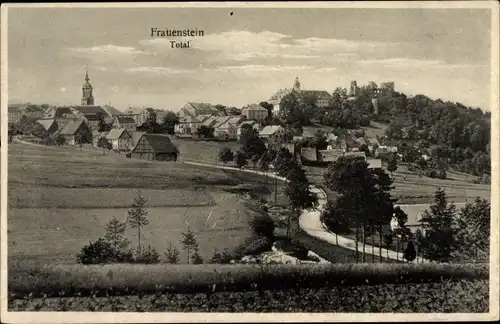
point(410, 188)
point(60, 199)
point(203, 151)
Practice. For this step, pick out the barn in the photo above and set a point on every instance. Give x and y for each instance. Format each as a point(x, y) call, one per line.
point(154, 147)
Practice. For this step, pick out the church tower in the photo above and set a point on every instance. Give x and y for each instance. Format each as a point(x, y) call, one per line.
point(296, 85)
point(87, 98)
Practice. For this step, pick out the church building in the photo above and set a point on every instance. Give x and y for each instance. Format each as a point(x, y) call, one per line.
point(87, 97)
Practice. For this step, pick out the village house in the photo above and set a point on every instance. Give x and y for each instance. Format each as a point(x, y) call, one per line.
point(252, 123)
point(187, 125)
point(75, 130)
point(273, 134)
point(229, 127)
point(154, 147)
point(17, 111)
point(255, 112)
point(140, 115)
point(124, 122)
point(195, 109)
point(15, 114)
point(120, 139)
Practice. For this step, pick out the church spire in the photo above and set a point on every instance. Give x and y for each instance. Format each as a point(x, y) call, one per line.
point(87, 97)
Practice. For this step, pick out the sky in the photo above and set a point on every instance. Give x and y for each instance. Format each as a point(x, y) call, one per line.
point(245, 57)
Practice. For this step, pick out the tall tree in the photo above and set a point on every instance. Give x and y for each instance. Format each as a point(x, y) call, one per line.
point(137, 217)
point(299, 193)
point(439, 224)
point(367, 190)
point(169, 122)
point(393, 164)
point(473, 224)
point(269, 107)
point(189, 242)
point(115, 234)
point(251, 143)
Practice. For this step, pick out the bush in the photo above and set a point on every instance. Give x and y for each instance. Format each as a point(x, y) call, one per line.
point(431, 173)
point(252, 246)
point(262, 226)
point(101, 251)
point(148, 256)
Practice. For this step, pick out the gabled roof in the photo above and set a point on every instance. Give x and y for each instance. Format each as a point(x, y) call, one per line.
point(92, 117)
point(254, 107)
point(355, 154)
point(270, 130)
point(219, 121)
point(209, 122)
point(90, 109)
point(202, 106)
point(47, 123)
point(319, 94)
point(71, 127)
point(116, 133)
point(136, 136)
point(125, 119)
point(159, 143)
point(112, 111)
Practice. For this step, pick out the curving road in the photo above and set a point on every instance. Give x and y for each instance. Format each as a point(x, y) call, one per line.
point(309, 220)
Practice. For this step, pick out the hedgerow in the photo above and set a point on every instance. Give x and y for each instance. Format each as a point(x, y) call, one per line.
point(117, 279)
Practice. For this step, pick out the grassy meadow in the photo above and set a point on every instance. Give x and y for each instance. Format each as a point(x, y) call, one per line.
point(61, 198)
point(410, 188)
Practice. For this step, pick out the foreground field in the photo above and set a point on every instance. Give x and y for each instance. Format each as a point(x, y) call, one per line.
point(442, 297)
point(61, 198)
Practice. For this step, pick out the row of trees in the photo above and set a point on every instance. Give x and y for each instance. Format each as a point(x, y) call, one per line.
point(114, 247)
point(365, 204)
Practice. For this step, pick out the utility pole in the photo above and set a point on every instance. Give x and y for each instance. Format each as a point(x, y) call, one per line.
point(276, 189)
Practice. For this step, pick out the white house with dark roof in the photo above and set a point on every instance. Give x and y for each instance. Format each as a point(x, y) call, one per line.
point(187, 125)
point(272, 133)
point(120, 139)
point(255, 112)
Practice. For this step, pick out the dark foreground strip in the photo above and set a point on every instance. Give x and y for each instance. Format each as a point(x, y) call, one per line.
point(121, 279)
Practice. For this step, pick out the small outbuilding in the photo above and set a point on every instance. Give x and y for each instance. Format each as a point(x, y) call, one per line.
point(154, 147)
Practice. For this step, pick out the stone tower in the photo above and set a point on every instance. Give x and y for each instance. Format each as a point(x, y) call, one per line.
point(296, 85)
point(354, 89)
point(87, 98)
